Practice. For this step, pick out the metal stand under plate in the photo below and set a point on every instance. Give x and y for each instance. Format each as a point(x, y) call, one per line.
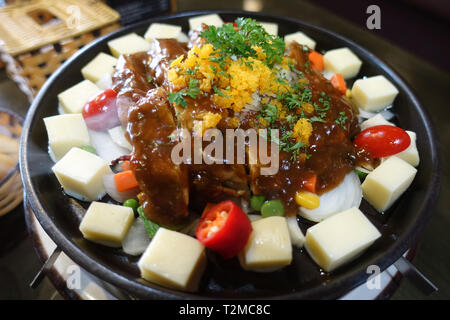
point(45, 268)
point(403, 265)
point(410, 272)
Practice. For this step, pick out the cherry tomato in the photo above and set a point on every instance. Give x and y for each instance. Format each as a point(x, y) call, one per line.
point(100, 112)
point(224, 228)
point(382, 141)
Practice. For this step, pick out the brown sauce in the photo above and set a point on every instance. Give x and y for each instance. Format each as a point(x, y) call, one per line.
point(169, 190)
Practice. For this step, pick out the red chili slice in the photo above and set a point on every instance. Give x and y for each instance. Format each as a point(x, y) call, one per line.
point(224, 228)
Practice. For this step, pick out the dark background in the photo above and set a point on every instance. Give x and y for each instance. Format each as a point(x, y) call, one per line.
point(418, 26)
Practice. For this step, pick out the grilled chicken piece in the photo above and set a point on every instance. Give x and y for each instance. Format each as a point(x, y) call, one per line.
point(149, 120)
point(139, 72)
point(217, 182)
point(164, 185)
point(164, 51)
point(130, 81)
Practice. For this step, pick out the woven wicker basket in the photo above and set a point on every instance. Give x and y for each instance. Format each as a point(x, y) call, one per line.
point(11, 192)
point(38, 36)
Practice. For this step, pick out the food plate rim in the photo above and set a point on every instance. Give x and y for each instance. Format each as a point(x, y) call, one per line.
point(335, 288)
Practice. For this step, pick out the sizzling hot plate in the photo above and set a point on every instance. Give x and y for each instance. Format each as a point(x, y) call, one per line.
point(60, 214)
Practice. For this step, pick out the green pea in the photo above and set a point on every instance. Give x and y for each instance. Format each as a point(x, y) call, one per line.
point(256, 202)
point(131, 203)
point(89, 149)
point(272, 208)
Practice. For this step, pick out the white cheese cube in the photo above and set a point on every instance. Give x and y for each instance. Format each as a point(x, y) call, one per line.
point(105, 82)
point(73, 99)
point(106, 223)
point(270, 27)
point(99, 66)
point(300, 38)
point(162, 31)
point(387, 182)
point(128, 44)
point(81, 173)
point(173, 260)
point(374, 93)
point(410, 154)
point(342, 61)
point(377, 120)
point(182, 37)
point(209, 19)
point(269, 246)
point(340, 238)
point(64, 132)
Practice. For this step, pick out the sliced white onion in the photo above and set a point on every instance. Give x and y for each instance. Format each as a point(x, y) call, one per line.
point(111, 190)
point(254, 217)
point(117, 134)
point(245, 206)
point(366, 114)
point(136, 240)
point(386, 113)
point(354, 192)
point(376, 120)
point(327, 74)
point(105, 82)
point(362, 169)
point(296, 235)
point(105, 147)
point(346, 195)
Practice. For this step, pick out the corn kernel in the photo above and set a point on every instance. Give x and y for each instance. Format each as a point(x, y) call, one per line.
point(307, 199)
point(348, 93)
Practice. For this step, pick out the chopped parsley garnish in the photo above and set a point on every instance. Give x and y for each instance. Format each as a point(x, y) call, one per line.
point(293, 101)
point(238, 42)
point(150, 226)
point(282, 81)
point(307, 64)
point(192, 71)
point(316, 119)
point(291, 119)
point(178, 97)
point(219, 92)
point(286, 144)
point(269, 113)
point(150, 79)
point(341, 120)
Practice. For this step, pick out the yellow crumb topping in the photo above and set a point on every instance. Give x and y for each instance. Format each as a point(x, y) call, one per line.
point(209, 120)
point(302, 130)
point(232, 86)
